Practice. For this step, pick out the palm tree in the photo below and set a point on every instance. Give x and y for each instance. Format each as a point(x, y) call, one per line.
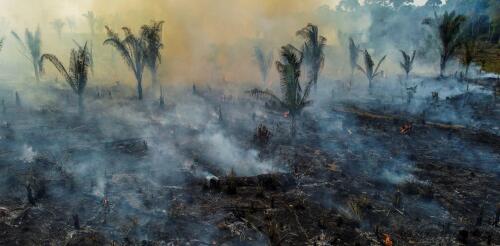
point(77, 74)
point(407, 63)
point(369, 72)
point(313, 50)
point(448, 27)
point(264, 62)
point(71, 23)
point(152, 35)
point(92, 20)
point(293, 98)
point(31, 48)
point(58, 25)
point(132, 49)
point(353, 55)
point(470, 50)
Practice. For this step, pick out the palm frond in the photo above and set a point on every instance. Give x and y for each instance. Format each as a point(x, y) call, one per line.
point(152, 35)
point(18, 39)
point(59, 66)
point(258, 93)
point(313, 49)
point(379, 62)
point(115, 41)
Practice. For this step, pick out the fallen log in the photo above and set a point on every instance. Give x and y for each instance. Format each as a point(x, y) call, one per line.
point(136, 146)
point(272, 181)
point(478, 135)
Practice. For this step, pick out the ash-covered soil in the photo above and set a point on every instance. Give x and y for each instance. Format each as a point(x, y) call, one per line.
point(201, 172)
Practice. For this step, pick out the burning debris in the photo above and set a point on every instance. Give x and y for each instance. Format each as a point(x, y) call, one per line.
point(262, 135)
point(358, 166)
point(406, 128)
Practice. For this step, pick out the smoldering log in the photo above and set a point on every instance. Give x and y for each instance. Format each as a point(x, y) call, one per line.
point(273, 181)
point(473, 134)
point(135, 146)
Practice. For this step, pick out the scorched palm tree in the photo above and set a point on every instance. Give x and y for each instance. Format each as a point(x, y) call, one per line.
point(293, 98)
point(58, 25)
point(152, 35)
point(31, 48)
point(313, 50)
point(407, 63)
point(353, 55)
point(264, 61)
point(448, 27)
point(132, 49)
point(369, 70)
point(77, 74)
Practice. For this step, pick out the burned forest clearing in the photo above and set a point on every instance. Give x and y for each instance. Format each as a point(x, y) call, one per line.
point(122, 130)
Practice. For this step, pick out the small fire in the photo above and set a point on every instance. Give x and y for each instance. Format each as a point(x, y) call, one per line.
point(406, 128)
point(387, 240)
point(285, 114)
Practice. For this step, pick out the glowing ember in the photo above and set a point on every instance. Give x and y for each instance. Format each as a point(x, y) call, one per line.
point(406, 128)
point(387, 240)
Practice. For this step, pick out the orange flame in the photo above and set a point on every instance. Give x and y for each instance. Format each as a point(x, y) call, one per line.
point(387, 240)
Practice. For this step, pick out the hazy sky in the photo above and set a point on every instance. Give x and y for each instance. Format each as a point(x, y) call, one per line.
point(194, 30)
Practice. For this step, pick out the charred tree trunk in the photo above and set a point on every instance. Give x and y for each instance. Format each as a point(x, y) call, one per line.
point(442, 65)
point(154, 78)
point(37, 72)
point(81, 106)
point(139, 88)
point(293, 126)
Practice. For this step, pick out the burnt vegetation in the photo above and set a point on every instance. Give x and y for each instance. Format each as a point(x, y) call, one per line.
point(410, 159)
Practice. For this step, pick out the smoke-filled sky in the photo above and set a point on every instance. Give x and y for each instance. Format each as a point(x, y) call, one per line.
point(203, 38)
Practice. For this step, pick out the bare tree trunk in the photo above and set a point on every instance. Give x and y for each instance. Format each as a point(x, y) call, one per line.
point(37, 72)
point(139, 88)
point(442, 67)
point(466, 79)
point(350, 80)
point(154, 81)
point(81, 106)
point(293, 127)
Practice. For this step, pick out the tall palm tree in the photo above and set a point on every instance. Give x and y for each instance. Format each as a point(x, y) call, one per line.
point(132, 49)
point(369, 70)
point(92, 21)
point(31, 48)
point(71, 23)
point(353, 56)
point(470, 51)
point(77, 74)
point(152, 35)
point(448, 27)
point(264, 61)
point(313, 50)
point(58, 25)
point(293, 98)
point(407, 63)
